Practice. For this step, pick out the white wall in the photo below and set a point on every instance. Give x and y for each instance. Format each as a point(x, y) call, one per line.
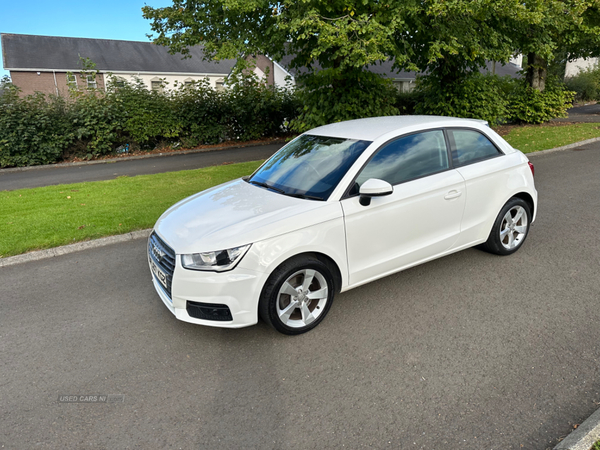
point(279, 76)
point(517, 60)
point(147, 78)
point(574, 67)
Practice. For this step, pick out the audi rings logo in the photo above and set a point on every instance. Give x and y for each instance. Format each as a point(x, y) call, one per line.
point(157, 252)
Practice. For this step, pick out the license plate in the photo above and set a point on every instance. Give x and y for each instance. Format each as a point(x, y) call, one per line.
point(160, 275)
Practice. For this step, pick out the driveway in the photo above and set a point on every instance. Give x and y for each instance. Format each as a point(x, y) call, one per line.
point(471, 351)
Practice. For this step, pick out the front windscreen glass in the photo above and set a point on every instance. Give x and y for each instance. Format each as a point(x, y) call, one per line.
point(310, 166)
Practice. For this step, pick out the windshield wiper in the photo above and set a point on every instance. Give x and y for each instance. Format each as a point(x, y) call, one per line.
point(308, 197)
point(268, 186)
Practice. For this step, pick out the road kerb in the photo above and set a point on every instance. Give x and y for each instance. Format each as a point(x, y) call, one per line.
point(564, 147)
point(584, 436)
point(71, 248)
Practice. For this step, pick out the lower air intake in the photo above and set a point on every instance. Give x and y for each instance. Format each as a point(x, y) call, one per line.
point(209, 311)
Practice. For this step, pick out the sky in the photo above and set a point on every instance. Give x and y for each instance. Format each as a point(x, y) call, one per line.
point(107, 19)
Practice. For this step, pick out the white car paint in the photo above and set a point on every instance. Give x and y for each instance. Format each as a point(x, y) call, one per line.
point(394, 232)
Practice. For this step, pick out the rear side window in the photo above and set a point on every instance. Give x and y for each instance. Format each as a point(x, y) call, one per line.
point(407, 158)
point(471, 146)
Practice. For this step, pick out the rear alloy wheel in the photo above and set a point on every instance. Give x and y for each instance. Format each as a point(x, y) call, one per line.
point(510, 228)
point(297, 295)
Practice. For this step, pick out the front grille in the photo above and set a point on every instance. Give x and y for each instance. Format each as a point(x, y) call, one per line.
point(209, 311)
point(163, 256)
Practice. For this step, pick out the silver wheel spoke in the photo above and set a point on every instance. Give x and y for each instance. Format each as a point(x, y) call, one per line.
point(511, 240)
point(307, 316)
point(308, 279)
point(321, 293)
point(519, 214)
point(285, 314)
point(521, 229)
point(508, 218)
point(503, 233)
point(288, 289)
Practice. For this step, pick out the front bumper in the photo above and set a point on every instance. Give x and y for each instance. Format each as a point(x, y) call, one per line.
point(238, 289)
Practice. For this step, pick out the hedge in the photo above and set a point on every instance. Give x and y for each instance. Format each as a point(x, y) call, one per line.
point(44, 129)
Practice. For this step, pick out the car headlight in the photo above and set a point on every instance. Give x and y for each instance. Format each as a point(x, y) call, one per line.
point(219, 261)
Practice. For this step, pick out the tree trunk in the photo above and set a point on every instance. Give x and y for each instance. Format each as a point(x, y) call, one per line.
point(537, 70)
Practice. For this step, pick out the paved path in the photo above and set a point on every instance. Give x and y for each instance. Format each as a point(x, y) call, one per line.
point(131, 167)
point(589, 113)
point(471, 351)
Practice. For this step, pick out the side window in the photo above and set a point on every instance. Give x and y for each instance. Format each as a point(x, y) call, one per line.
point(471, 146)
point(407, 158)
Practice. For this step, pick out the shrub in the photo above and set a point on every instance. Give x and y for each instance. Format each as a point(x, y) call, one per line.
point(42, 129)
point(148, 116)
point(254, 109)
point(406, 102)
point(586, 84)
point(474, 96)
point(200, 111)
point(96, 123)
point(33, 130)
point(333, 96)
point(528, 105)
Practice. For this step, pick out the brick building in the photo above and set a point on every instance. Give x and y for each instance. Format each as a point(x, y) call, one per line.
point(51, 64)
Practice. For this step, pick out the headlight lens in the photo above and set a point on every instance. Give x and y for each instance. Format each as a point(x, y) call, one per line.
point(219, 261)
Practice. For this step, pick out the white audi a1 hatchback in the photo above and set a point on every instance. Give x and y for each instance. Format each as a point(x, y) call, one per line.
point(337, 207)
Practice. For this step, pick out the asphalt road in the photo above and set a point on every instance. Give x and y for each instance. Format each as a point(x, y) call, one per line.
point(587, 113)
point(74, 174)
point(471, 351)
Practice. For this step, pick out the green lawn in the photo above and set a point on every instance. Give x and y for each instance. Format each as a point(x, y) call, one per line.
point(51, 216)
point(533, 138)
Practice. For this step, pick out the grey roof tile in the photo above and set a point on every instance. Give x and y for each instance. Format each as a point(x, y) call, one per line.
point(21, 51)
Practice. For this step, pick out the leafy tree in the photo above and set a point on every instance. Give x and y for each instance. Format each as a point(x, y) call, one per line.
point(559, 28)
point(338, 37)
point(446, 39)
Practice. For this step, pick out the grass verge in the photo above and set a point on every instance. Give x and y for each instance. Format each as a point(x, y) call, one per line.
point(40, 218)
point(533, 138)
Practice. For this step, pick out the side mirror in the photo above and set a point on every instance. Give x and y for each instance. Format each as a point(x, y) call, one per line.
point(374, 188)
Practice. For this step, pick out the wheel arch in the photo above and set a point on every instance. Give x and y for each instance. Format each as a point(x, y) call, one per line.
point(325, 259)
point(527, 198)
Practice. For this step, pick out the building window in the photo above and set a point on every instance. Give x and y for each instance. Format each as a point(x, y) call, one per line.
point(220, 84)
point(119, 82)
point(91, 82)
point(156, 86)
point(71, 80)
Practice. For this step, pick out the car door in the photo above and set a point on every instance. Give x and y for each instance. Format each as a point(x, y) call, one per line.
point(487, 174)
point(419, 220)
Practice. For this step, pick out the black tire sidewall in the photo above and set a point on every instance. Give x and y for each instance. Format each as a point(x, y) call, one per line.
point(493, 243)
point(268, 300)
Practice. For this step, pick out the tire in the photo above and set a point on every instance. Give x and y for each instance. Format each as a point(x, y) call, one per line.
point(510, 228)
point(285, 301)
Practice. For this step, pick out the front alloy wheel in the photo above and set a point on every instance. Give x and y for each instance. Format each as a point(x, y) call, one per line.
point(302, 298)
point(297, 295)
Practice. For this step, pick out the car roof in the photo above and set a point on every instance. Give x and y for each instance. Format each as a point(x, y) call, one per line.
point(374, 127)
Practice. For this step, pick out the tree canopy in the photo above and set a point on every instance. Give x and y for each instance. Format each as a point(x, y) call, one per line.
point(448, 39)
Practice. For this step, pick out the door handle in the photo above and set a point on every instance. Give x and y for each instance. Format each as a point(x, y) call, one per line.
point(452, 194)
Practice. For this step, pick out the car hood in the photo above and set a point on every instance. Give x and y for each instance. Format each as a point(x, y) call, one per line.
point(237, 213)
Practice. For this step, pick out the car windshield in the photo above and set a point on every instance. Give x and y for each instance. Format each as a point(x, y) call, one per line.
point(310, 166)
